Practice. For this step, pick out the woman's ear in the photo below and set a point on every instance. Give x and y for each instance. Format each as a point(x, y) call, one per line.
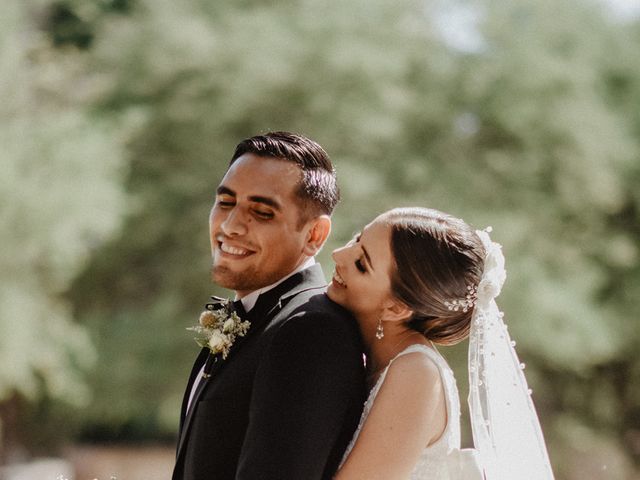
point(316, 236)
point(395, 311)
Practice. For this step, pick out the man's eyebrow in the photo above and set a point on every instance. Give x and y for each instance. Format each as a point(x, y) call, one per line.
point(222, 190)
point(270, 202)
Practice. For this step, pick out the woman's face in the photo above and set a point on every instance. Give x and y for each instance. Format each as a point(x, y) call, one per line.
point(361, 281)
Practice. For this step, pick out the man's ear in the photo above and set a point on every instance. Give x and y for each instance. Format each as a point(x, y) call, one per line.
point(317, 235)
point(395, 311)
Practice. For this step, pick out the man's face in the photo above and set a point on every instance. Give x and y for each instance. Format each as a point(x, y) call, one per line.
point(253, 225)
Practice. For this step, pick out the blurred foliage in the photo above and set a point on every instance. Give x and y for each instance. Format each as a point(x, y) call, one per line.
point(532, 126)
point(61, 196)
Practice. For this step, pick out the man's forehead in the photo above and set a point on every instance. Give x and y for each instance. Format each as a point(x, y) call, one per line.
point(261, 177)
point(275, 165)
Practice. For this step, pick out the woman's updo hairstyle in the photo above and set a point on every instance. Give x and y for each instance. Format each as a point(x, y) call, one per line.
point(437, 257)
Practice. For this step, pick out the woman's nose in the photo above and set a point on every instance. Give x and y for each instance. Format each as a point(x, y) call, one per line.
point(339, 254)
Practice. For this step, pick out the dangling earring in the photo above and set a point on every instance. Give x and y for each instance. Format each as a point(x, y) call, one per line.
point(379, 330)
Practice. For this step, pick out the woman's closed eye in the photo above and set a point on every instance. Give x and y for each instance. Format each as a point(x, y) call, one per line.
point(360, 266)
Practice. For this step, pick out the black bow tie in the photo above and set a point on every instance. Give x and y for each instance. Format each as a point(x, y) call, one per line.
point(220, 302)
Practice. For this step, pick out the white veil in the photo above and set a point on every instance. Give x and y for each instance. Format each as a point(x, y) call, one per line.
point(506, 430)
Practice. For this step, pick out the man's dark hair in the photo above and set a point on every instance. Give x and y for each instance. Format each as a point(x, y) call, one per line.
point(318, 188)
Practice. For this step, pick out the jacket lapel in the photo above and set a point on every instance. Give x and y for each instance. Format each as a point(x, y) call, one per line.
point(271, 302)
point(266, 308)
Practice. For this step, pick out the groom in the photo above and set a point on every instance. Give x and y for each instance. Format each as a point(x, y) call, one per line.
point(285, 401)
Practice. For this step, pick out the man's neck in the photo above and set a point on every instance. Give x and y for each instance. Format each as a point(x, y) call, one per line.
point(249, 299)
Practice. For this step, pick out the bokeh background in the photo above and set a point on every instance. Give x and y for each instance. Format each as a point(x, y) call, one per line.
point(118, 117)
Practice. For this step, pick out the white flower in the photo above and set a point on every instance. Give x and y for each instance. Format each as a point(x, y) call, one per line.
point(489, 288)
point(229, 325)
point(494, 274)
point(218, 341)
point(494, 260)
point(219, 329)
point(207, 319)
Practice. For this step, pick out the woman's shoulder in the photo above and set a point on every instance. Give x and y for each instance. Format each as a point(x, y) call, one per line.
point(416, 367)
point(421, 356)
point(414, 380)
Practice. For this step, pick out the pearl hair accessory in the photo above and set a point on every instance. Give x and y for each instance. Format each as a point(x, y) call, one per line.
point(464, 304)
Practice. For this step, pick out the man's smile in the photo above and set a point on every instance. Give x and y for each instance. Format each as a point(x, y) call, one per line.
point(232, 251)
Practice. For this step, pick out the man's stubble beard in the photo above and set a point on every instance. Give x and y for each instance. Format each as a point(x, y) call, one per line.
point(245, 281)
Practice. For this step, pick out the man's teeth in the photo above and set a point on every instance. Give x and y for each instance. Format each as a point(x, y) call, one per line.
point(232, 250)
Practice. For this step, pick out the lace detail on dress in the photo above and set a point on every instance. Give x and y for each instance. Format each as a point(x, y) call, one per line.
point(433, 463)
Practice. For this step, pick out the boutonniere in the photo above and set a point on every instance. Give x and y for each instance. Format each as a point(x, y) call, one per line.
point(219, 328)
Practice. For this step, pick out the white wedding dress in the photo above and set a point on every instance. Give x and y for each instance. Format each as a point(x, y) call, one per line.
point(442, 460)
point(505, 426)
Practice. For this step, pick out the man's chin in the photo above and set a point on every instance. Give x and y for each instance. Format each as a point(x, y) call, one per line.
point(223, 277)
point(226, 278)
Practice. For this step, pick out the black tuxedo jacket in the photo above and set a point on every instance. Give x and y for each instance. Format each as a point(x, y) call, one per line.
point(286, 400)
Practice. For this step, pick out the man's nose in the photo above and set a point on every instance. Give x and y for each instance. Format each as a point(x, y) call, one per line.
point(234, 224)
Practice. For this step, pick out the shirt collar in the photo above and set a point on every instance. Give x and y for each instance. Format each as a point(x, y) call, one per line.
point(249, 301)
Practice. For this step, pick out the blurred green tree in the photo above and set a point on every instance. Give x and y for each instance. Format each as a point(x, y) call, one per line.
point(531, 124)
point(202, 83)
point(61, 196)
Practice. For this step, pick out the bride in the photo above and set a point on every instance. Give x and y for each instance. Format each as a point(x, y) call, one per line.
point(414, 278)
